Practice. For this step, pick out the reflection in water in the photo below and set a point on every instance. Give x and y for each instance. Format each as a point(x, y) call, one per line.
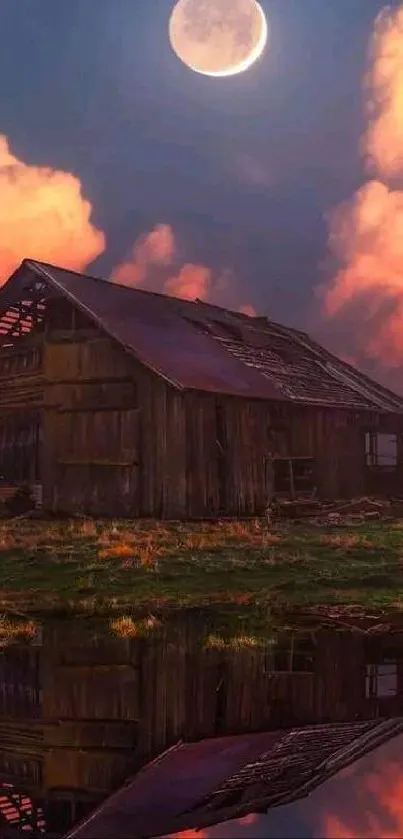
point(80, 711)
point(242, 827)
point(363, 801)
point(18, 810)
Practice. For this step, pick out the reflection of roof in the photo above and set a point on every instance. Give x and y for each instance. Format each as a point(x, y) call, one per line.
point(228, 778)
point(195, 345)
point(295, 766)
point(18, 814)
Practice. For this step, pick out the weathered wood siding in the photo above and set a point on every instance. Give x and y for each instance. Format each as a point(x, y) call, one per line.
point(229, 440)
point(91, 427)
point(114, 432)
point(121, 441)
point(21, 401)
point(163, 448)
point(106, 436)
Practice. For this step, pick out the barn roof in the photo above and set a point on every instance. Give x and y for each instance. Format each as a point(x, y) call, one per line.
point(195, 345)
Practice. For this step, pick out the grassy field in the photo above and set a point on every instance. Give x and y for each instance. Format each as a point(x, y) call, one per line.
point(151, 568)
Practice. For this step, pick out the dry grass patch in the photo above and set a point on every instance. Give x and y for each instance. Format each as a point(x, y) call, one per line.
point(346, 541)
point(218, 642)
point(134, 555)
point(119, 551)
point(112, 566)
point(86, 529)
point(127, 627)
point(11, 631)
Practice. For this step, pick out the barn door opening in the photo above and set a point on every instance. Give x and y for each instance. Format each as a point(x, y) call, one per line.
point(97, 461)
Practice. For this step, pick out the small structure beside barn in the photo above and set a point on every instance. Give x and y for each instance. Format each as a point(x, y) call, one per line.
point(121, 402)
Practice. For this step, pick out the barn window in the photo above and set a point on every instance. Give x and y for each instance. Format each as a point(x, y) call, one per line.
point(289, 656)
point(293, 476)
point(381, 680)
point(380, 449)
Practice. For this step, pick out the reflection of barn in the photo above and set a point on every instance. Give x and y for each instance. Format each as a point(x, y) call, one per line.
point(81, 713)
point(116, 401)
point(18, 813)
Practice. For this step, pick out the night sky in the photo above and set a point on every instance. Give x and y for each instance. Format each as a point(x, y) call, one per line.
point(243, 169)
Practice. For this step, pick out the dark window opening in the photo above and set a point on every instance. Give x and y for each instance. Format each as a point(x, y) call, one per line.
point(294, 476)
point(62, 316)
point(380, 450)
point(20, 442)
point(292, 656)
point(381, 680)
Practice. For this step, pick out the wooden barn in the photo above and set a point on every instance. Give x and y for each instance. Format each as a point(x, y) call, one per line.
point(117, 401)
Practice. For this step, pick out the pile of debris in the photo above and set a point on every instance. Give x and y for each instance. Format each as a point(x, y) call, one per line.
point(353, 512)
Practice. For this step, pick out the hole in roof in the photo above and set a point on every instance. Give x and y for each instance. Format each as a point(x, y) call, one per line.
point(227, 330)
point(199, 325)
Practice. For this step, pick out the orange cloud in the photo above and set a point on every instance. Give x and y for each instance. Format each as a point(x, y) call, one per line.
point(366, 232)
point(130, 273)
point(156, 248)
point(247, 309)
point(382, 815)
point(154, 262)
point(192, 281)
point(43, 215)
point(383, 142)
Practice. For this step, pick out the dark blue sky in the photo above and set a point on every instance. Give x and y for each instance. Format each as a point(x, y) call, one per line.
point(244, 168)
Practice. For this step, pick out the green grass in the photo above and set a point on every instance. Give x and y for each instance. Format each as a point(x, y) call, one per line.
point(154, 568)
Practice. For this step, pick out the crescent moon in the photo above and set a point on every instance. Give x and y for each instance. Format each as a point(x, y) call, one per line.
point(236, 68)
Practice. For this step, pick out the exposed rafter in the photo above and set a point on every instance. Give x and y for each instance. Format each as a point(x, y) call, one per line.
point(21, 318)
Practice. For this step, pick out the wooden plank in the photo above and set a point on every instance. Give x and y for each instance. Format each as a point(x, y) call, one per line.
point(107, 463)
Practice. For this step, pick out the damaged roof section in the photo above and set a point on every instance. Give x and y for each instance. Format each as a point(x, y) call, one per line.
point(194, 345)
point(193, 786)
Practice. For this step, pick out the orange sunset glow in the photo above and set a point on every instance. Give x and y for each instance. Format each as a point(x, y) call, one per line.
point(381, 797)
point(43, 213)
point(366, 232)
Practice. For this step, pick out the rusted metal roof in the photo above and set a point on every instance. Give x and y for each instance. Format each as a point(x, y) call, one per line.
point(194, 345)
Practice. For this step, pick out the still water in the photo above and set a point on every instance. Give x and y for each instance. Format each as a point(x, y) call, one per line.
point(297, 735)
